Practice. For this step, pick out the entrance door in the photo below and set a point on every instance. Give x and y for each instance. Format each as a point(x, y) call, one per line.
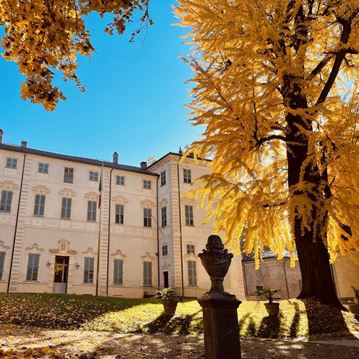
point(61, 274)
point(165, 279)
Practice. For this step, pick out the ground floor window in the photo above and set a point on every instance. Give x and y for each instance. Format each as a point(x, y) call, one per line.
point(2, 260)
point(192, 274)
point(89, 269)
point(118, 271)
point(32, 266)
point(147, 274)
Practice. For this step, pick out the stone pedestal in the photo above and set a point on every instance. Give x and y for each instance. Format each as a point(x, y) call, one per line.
point(221, 330)
point(220, 319)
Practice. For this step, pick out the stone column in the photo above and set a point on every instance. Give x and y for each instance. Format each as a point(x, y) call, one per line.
point(221, 330)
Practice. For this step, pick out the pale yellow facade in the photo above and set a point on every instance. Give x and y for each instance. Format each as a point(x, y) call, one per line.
point(76, 239)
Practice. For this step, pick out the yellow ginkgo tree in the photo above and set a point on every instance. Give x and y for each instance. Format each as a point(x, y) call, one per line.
point(45, 37)
point(276, 89)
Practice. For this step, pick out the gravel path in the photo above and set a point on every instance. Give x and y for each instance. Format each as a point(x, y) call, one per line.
point(28, 342)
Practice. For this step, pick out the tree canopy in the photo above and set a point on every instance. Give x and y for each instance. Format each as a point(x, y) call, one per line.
point(276, 89)
point(45, 37)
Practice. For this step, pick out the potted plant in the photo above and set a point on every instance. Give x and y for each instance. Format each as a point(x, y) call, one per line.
point(169, 300)
point(267, 293)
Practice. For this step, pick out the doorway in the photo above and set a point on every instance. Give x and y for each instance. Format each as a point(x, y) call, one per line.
point(61, 274)
point(165, 280)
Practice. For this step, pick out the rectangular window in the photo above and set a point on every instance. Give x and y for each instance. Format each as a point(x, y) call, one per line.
point(69, 175)
point(189, 215)
point(163, 178)
point(5, 203)
point(93, 176)
point(192, 274)
point(39, 207)
point(91, 211)
point(66, 208)
point(187, 176)
point(2, 261)
point(190, 249)
point(147, 274)
point(89, 269)
point(120, 180)
point(147, 217)
point(164, 250)
point(43, 168)
point(11, 163)
point(32, 266)
point(118, 271)
point(147, 184)
point(120, 214)
point(164, 216)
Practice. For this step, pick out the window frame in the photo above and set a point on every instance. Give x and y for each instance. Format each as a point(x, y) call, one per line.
point(120, 180)
point(147, 277)
point(93, 176)
point(189, 220)
point(6, 201)
point(192, 273)
point(69, 175)
point(39, 205)
point(147, 219)
point(164, 216)
point(66, 208)
point(91, 211)
point(11, 163)
point(147, 184)
point(89, 270)
point(163, 178)
point(2, 263)
point(43, 168)
point(119, 213)
point(118, 279)
point(164, 250)
point(191, 249)
point(32, 271)
point(187, 175)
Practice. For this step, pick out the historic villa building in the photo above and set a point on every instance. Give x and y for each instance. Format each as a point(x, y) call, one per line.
point(77, 225)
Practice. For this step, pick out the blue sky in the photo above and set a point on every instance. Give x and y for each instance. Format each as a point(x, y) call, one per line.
point(134, 99)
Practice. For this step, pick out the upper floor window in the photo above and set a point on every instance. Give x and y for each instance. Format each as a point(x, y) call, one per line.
point(147, 184)
point(147, 217)
point(66, 208)
point(69, 175)
point(189, 215)
point(32, 266)
point(163, 178)
point(164, 216)
point(11, 163)
point(43, 168)
point(39, 206)
point(2, 261)
point(89, 269)
point(93, 176)
point(164, 250)
point(5, 203)
point(187, 175)
point(118, 271)
point(190, 249)
point(119, 213)
point(120, 180)
point(91, 211)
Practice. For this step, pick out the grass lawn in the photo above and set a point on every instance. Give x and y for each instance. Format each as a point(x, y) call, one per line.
point(297, 318)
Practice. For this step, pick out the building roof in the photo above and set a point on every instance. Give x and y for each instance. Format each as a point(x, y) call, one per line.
point(175, 154)
point(85, 160)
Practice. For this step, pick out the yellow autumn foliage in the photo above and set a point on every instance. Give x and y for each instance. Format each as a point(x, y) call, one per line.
point(277, 81)
point(45, 37)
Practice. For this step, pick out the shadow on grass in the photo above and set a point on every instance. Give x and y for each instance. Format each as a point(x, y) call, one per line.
point(293, 330)
point(60, 311)
point(327, 320)
point(168, 324)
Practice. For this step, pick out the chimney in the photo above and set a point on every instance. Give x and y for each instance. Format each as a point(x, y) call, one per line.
point(23, 144)
point(115, 158)
point(143, 165)
point(1, 134)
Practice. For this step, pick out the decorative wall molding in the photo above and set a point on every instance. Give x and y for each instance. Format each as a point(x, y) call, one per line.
point(34, 248)
point(89, 251)
point(67, 192)
point(148, 204)
point(8, 185)
point(91, 196)
point(3, 245)
point(188, 200)
point(163, 202)
point(147, 256)
point(63, 248)
point(118, 254)
point(40, 189)
point(119, 199)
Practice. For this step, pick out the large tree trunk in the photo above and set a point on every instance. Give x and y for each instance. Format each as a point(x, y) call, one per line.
point(317, 280)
